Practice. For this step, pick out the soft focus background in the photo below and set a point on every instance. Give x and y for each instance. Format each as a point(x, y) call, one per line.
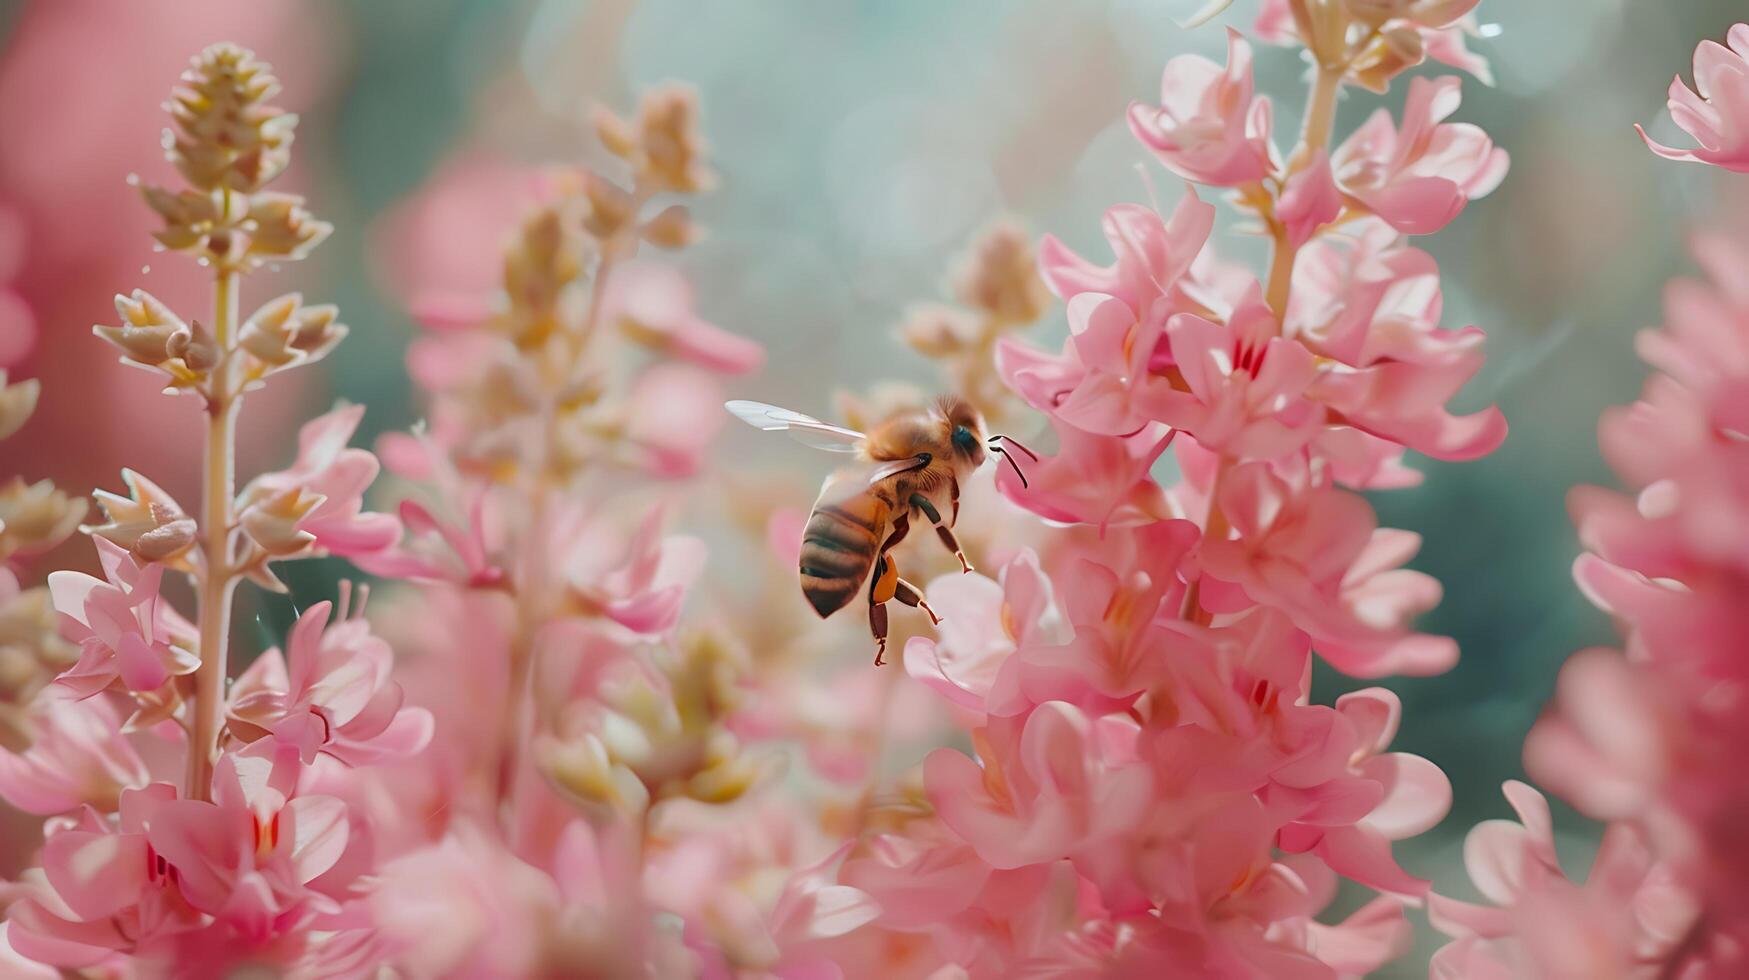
point(860, 145)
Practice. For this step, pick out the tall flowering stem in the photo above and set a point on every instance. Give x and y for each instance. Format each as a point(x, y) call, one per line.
point(1647, 738)
point(240, 867)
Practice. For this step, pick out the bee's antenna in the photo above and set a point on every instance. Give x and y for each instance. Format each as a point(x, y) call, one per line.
point(997, 448)
point(1016, 444)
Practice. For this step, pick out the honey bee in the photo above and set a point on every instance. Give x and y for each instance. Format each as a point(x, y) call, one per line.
point(910, 464)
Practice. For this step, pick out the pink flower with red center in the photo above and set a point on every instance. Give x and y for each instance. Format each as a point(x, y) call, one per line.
point(127, 634)
point(330, 692)
point(1715, 112)
point(248, 858)
point(1418, 176)
point(104, 889)
point(1210, 126)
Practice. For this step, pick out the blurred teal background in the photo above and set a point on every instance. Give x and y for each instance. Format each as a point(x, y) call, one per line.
point(861, 144)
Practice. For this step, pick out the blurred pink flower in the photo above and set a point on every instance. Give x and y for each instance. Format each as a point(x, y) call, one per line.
point(673, 416)
point(77, 757)
point(639, 583)
point(652, 304)
point(1209, 127)
point(327, 468)
point(1626, 920)
point(331, 692)
point(125, 631)
point(1716, 111)
point(1419, 176)
point(985, 621)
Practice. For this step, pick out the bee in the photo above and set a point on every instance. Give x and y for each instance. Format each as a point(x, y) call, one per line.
point(909, 466)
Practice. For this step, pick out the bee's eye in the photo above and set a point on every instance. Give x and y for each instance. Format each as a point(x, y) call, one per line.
point(963, 440)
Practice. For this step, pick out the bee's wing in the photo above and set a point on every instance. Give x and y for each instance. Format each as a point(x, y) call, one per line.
point(804, 429)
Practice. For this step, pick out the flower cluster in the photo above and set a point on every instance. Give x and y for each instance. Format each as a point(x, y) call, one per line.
point(187, 828)
point(1644, 737)
point(1152, 790)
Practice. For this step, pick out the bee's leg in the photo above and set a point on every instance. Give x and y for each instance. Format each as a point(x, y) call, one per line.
point(883, 584)
point(941, 530)
point(953, 496)
point(901, 527)
point(910, 595)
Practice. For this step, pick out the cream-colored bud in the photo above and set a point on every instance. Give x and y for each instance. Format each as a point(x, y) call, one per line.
point(611, 208)
point(35, 517)
point(671, 228)
point(280, 228)
point(271, 521)
point(671, 152)
point(1000, 276)
point(934, 330)
point(227, 135)
point(1393, 52)
point(614, 133)
point(17, 402)
point(146, 328)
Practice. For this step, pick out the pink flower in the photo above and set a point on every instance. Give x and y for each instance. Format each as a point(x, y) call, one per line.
point(104, 889)
point(1246, 385)
point(331, 692)
point(1442, 25)
point(1122, 609)
point(1209, 127)
point(1627, 918)
point(457, 545)
point(77, 757)
point(1046, 789)
point(1716, 111)
point(1349, 798)
point(1370, 307)
point(1417, 178)
point(652, 305)
point(1318, 555)
point(639, 584)
point(126, 633)
point(1093, 479)
point(1309, 200)
point(336, 475)
point(673, 417)
point(1152, 255)
point(984, 621)
point(248, 857)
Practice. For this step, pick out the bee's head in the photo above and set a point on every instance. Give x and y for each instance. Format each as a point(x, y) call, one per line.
point(965, 431)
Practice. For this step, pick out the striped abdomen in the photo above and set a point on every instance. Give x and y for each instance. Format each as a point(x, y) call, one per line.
point(840, 542)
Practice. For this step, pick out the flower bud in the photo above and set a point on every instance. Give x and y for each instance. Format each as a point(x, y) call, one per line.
point(672, 156)
point(614, 133)
point(227, 136)
point(272, 519)
point(35, 517)
point(672, 228)
point(938, 331)
point(280, 228)
point(17, 402)
point(1000, 276)
point(1393, 52)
